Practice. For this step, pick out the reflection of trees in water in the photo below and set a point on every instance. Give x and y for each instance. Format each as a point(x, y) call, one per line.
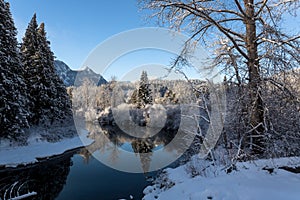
point(143, 148)
point(109, 139)
point(47, 179)
point(103, 142)
point(85, 154)
point(118, 137)
point(114, 153)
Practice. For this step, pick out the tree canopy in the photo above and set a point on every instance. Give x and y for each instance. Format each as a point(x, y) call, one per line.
point(246, 39)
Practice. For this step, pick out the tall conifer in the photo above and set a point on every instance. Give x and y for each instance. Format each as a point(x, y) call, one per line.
point(49, 98)
point(13, 98)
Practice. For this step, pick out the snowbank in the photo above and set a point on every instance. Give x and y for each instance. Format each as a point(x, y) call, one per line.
point(248, 182)
point(12, 156)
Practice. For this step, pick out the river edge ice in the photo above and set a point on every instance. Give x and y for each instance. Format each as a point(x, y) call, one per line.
point(13, 156)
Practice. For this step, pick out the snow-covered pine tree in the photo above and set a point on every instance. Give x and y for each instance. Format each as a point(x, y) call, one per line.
point(57, 93)
point(13, 98)
point(31, 64)
point(134, 97)
point(144, 91)
point(48, 96)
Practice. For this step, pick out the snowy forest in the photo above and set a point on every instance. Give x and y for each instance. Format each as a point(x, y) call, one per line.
point(32, 94)
point(262, 97)
point(261, 66)
point(257, 55)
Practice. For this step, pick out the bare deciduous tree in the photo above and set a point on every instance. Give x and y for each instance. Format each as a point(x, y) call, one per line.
point(246, 38)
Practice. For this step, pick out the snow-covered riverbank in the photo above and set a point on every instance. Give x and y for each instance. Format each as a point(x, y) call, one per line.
point(262, 179)
point(12, 156)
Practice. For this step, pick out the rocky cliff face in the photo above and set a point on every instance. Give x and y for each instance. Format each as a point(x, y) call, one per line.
point(76, 77)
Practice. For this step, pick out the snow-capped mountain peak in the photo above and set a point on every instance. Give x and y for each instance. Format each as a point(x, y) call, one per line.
point(75, 77)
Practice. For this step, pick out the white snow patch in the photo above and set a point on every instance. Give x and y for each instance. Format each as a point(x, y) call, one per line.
point(249, 182)
point(12, 156)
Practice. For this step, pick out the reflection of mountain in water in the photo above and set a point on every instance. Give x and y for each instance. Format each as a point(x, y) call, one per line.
point(46, 178)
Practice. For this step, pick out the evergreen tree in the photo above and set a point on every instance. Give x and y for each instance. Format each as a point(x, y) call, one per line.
point(60, 105)
point(13, 98)
point(134, 97)
point(144, 91)
point(50, 101)
point(30, 63)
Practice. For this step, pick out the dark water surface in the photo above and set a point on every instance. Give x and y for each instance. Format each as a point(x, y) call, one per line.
point(77, 174)
point(70, 176)
point(93, 180)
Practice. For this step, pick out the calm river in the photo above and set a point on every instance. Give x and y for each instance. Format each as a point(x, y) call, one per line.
point(78, 174)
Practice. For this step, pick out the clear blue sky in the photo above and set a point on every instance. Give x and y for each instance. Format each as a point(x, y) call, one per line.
point(76, 27)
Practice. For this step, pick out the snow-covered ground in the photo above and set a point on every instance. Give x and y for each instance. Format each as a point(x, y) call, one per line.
point(12, 156)
point(248, 182)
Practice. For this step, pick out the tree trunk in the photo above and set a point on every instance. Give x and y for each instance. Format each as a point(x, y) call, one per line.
point(256, 111)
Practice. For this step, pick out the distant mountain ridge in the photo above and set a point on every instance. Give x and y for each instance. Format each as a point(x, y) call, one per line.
point(76, 77)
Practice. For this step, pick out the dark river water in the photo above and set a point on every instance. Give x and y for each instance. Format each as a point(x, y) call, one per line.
point(97, 181)
point(71, 177)
point(92, 172)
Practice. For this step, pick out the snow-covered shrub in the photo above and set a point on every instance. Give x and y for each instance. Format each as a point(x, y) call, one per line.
point(282, 120)
point(200, 167)
point(156, 115)
point(126, 114)
point(173, 117)
point(106, 117)
point(91, 115)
